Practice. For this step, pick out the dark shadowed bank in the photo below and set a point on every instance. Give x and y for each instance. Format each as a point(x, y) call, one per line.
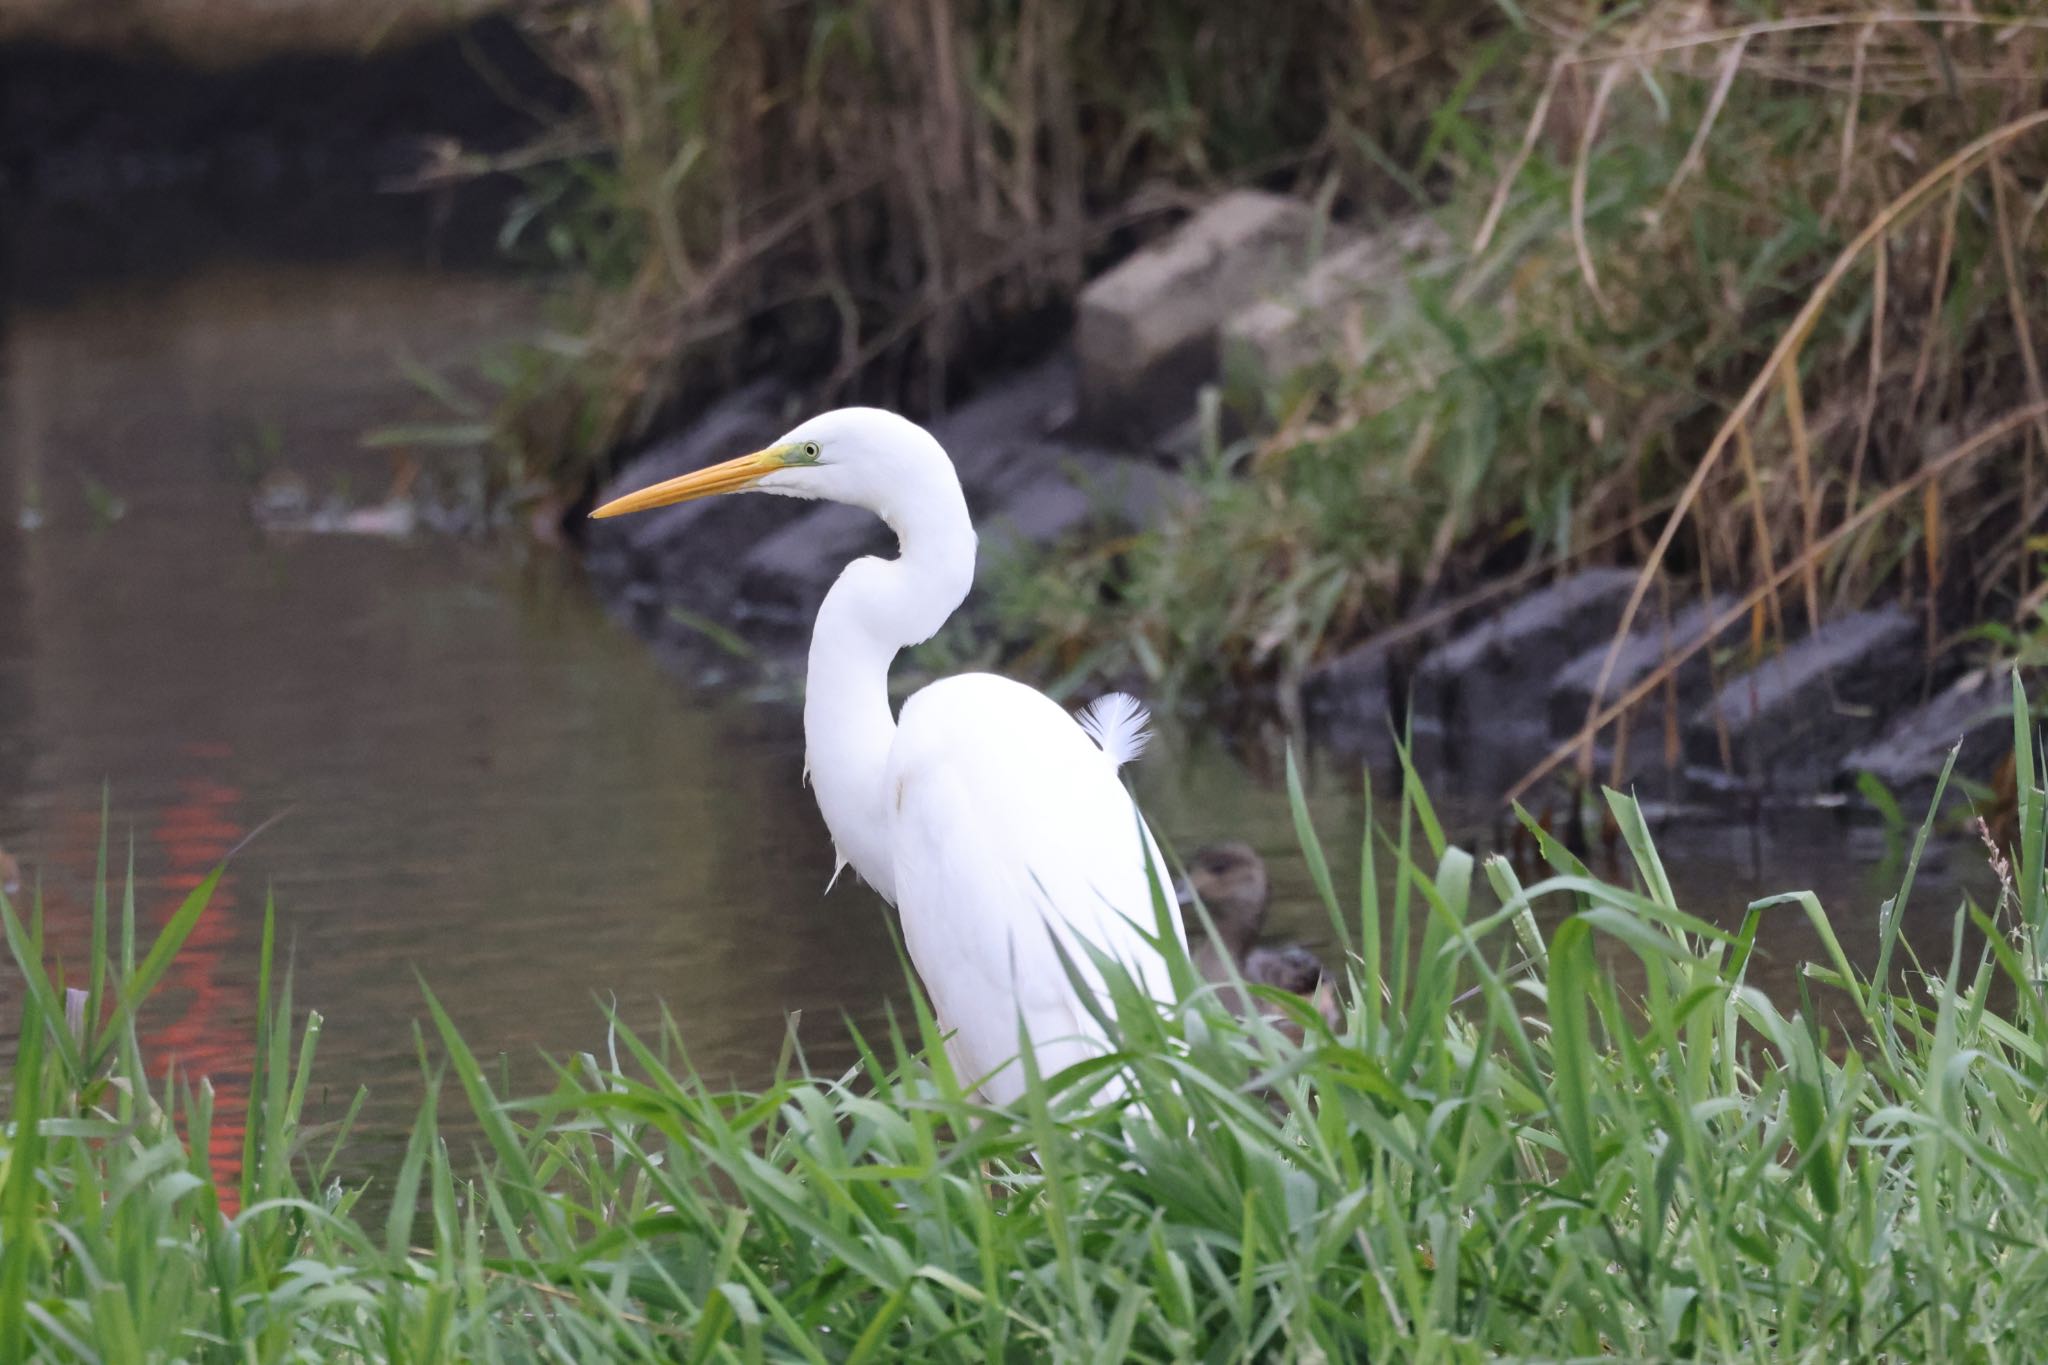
point(131, 158)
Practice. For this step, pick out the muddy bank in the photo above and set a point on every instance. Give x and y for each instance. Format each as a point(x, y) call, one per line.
point(215, 34)
point(120, 164)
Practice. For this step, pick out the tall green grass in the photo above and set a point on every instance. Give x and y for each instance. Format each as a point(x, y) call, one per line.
point(1503, 1153)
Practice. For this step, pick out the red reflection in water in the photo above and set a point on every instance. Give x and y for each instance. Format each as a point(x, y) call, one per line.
point(212, 1035)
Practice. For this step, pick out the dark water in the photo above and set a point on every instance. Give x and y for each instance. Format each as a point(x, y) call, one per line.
point(472, 773)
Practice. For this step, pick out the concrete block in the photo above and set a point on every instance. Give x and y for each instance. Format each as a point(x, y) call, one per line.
point(1350, 700)
point(1069, 489)
point(1026, 406)
point(1975, 711)
point(1332, 313)
point(1146, 330)
point(689, 553)
point(1487, 690)
point(1790, 720)
point(1023, 486)
point(784, 576)
point(1025, 494)
point(1645, 650)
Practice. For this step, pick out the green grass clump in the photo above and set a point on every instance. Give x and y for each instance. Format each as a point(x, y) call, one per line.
point(1505, 1152)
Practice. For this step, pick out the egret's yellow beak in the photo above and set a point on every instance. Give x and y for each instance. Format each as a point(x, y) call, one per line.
point(729, 477)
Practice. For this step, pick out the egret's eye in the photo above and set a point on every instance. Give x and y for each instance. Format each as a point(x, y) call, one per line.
point(810, 450)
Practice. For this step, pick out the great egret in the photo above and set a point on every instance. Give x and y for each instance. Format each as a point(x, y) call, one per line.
point(1230, 881)
point(989, 816)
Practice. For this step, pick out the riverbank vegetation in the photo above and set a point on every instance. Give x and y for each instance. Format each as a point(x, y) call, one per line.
point(1754, 306)
point(1561, 1121)
point(1755, 302)
point(892, 196)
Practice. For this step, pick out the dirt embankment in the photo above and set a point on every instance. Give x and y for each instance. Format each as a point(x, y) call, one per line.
point(126, 160)
point(215, 34)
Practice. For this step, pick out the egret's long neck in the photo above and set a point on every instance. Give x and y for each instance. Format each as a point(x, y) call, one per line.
point(876, 608)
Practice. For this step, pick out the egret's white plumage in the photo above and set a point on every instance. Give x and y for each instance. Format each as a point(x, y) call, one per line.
point(994, 820)
point(1010, 829)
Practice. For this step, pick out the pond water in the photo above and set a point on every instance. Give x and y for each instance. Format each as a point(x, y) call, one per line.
point(442, 757)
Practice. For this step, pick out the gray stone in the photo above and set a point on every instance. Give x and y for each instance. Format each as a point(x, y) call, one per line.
point(1498, 674)
point(1482, 698)
point(1146, 330)
point(1350, 700)
point(1023, 486)
point(1358, 680)
point(1070, 489)
point(785, 575)
point(691, 551)
point(1024, 493)
point(1026, 406)
point(1975, 711)
point(1790, 720)
point(1645, 651)
point(1331, 313)
point(1539, 634)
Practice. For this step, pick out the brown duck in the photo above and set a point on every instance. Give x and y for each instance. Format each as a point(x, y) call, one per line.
point(1230, 880)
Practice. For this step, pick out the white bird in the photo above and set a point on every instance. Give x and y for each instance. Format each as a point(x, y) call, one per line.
point(990, 817)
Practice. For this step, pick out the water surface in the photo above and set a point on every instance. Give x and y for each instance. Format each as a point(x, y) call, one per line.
point(472, 773)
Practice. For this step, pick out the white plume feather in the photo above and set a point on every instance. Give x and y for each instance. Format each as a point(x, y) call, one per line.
point(1117, 721)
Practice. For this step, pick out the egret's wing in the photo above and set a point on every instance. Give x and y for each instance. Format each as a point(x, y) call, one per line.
point(1009, 829)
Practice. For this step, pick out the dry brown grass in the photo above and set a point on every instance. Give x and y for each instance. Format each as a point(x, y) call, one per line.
point(874, 194)
point(1829, 521)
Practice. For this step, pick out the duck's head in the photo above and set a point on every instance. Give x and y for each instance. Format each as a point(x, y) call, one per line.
point(1230, 881)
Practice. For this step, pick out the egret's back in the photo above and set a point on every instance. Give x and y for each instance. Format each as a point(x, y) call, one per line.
point(1008, 822)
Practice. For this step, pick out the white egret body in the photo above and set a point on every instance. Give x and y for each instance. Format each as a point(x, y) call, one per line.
point(986, 813)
